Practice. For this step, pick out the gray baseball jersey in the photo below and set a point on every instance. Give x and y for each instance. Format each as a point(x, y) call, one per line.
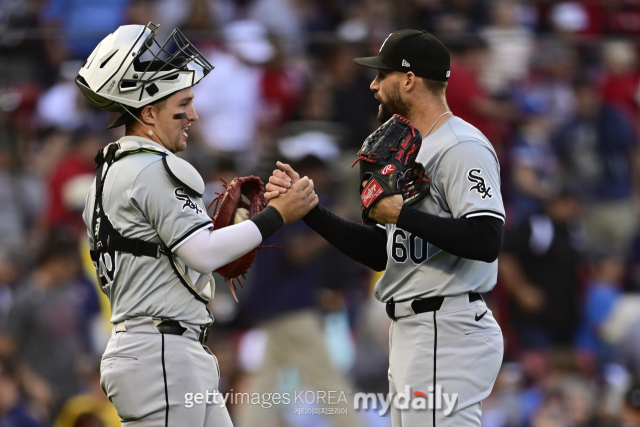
point(143, 202)
point(465, 183)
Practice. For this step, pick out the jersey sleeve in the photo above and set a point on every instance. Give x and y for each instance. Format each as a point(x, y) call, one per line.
point(174, 212)
point(469, 177)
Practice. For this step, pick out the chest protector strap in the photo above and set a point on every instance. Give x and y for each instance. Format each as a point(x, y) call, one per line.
point(107, 239)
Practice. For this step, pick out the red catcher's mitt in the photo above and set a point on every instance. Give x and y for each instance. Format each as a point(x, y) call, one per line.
point(248, 193)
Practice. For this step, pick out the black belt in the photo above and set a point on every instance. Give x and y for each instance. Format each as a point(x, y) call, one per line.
point(173, 327)
point(425, 305)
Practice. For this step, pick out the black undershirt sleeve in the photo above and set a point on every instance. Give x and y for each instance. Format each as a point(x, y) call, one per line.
point(362, 243)
point(268, 221)
point(477, 238)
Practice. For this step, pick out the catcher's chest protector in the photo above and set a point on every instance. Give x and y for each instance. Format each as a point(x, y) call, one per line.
point(107, 240)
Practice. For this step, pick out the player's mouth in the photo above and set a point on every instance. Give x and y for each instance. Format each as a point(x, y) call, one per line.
point(185, 130)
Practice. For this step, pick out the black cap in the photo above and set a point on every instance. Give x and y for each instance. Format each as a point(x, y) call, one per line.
point(411, 50)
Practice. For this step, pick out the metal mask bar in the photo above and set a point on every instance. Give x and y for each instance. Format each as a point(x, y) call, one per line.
point(175, 59)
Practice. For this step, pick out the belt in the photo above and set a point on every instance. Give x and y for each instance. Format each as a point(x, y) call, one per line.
point(169, 327)
point(426, 304)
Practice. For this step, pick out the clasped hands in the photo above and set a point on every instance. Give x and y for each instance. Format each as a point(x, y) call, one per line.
point(295, 196)
point(285, 180)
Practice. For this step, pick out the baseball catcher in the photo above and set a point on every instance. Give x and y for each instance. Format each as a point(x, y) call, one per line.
point(152, 242)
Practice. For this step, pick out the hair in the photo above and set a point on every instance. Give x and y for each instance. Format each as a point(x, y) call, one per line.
point(633, 396)
point(59, 243)
point(434, 87)
point(162, 103)
point(308, 162)
point(8, 368)
point(159, 104)
point(88, 419)
point(583, 82)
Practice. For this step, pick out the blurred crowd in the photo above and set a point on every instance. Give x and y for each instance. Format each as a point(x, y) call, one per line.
point(554, 85)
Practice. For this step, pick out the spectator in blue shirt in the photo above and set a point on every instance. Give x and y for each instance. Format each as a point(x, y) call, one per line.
point(288, 286)
point(13, 412)
point(596, 151)
point(534, 164)
point(601, 295)
point(82, 24)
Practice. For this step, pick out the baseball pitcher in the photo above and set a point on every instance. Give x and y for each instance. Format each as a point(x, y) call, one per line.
point(433, 214)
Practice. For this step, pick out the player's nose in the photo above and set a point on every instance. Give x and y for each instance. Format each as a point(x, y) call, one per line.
point(192, 115)
point(375, 85)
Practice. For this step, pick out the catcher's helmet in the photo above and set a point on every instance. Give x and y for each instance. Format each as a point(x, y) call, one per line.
point(130, 69)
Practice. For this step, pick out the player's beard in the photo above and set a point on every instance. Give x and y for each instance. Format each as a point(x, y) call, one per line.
point(394, 105)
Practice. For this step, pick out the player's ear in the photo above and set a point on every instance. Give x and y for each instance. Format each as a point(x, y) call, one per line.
point(149, 114)
point(410, 81)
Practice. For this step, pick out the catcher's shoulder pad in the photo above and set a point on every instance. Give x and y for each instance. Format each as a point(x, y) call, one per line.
point(126, 146)
point(184, 174)
point(129, 145)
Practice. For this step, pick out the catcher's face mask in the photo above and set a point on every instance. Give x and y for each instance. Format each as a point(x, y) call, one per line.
point(131, 69)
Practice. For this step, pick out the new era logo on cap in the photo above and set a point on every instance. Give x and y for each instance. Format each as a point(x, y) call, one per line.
point(405, 63)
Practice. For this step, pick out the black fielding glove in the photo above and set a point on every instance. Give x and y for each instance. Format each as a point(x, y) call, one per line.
point(389, 165)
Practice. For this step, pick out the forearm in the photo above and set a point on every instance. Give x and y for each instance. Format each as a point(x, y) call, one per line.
point(511, 273)
point(478, 238)
point(527, 296)
point(364, 244)
point(209, 250)
point(529, 183)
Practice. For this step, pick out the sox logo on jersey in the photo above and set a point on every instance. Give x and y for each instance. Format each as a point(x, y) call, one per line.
point(188, 203)
point(480, 187)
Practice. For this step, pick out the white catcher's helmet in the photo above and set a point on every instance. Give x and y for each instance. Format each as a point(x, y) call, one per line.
point(130, 69)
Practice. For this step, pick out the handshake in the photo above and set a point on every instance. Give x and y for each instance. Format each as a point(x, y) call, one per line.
point(390, 177)
point(293, 197)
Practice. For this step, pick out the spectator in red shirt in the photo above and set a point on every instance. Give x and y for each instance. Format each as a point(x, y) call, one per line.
point(468, 99)
point(620, 83)
point(69, 183)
